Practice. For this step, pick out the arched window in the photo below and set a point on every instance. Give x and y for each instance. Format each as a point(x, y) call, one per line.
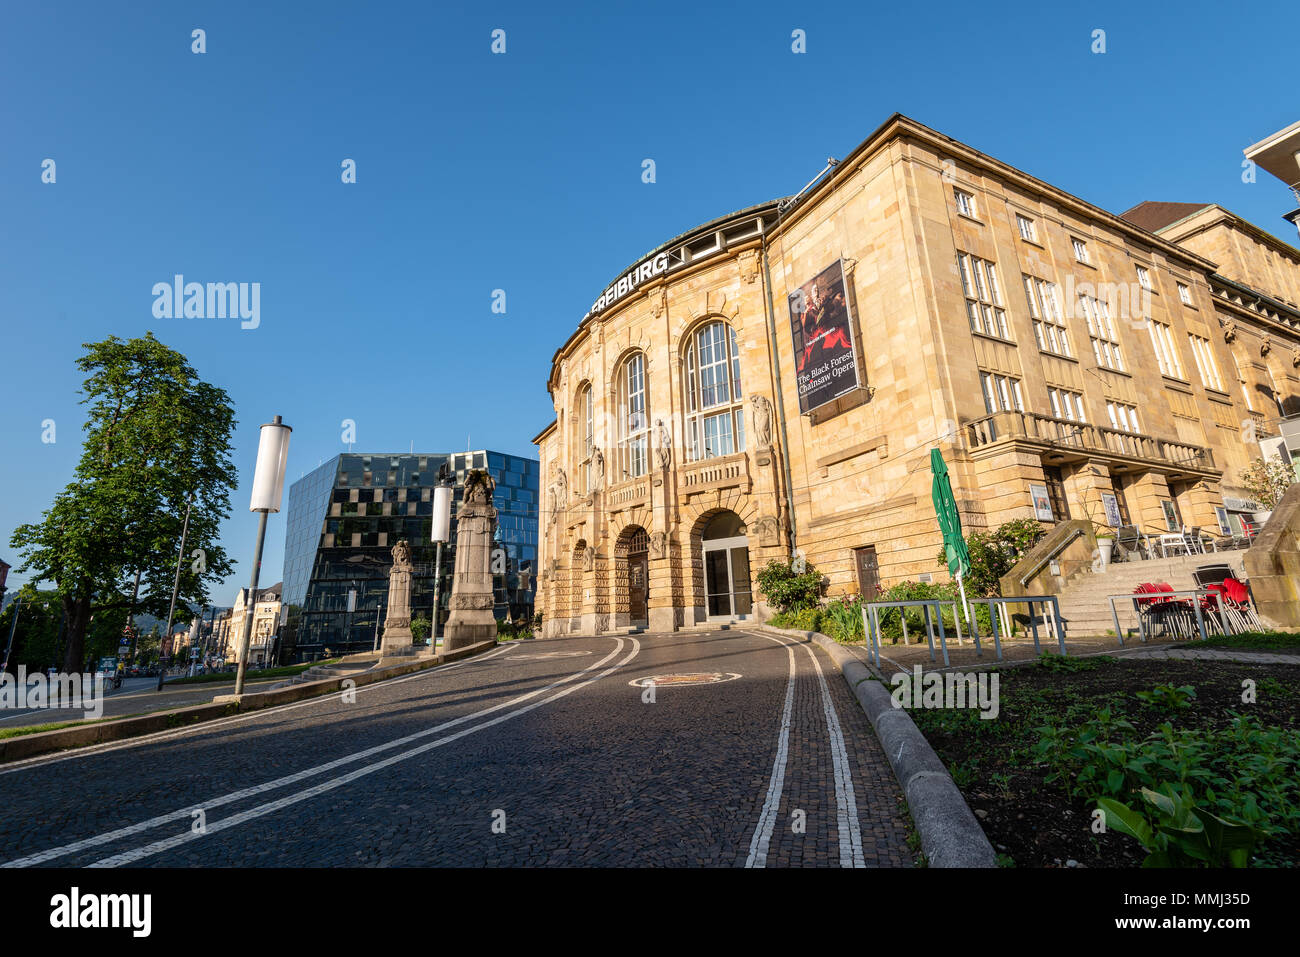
point(715, 419)
point(586, 422)
point(633, 419)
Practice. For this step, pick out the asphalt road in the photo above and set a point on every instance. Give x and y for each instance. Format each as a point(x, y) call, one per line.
point(538, 753)
point(136, 696)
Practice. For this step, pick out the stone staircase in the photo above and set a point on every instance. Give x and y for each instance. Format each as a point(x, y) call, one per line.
point(1086, 611)
point(339, 669)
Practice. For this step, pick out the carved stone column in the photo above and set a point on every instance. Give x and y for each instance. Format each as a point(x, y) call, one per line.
point(472, 600)
point(397, 624)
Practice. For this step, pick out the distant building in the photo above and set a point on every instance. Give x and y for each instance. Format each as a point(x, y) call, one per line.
point(344, 519)
point(266, 621)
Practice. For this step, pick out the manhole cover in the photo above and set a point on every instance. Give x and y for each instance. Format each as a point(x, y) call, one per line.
point(690, 678)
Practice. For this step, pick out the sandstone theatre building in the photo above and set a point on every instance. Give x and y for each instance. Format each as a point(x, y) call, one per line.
point(771, 383)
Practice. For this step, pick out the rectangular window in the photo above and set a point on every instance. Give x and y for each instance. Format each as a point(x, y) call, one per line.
point(979, 281)
point(1101, 330)
point(965, 202)
point(1027, 230)
point(1001, 393)
point(1122, 417)
point(1184, 294)
point(1144, 277)
point(1162, 341)
point(1205, 363)
point(1049, 320)
point(1080, 250)
point(1066, 404)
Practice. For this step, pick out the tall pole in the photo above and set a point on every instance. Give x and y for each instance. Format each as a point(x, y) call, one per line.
point(176, 585)
point(437, 594)
point(18, 606)
point(251, 603)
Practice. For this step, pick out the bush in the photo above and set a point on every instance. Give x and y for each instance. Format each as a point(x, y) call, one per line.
point(420, 628)
point(788, 589)
point(801, 619)
point(993, 554)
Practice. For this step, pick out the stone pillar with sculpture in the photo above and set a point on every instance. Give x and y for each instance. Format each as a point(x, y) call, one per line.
point(768, 535)
point(472, 597)
point(397, 623)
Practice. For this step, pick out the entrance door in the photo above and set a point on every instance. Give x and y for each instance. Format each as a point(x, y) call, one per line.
point(726, 578)
point(868, 572)
point(638, 577)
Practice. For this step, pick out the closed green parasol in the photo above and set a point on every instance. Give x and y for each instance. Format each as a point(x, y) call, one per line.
point(945, 508)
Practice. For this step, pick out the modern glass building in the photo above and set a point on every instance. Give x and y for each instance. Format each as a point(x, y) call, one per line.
point(345, 517)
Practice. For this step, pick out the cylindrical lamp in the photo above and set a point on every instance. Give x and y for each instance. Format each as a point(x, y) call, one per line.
point(268, 487)
point(272, 456)
point(441, 514)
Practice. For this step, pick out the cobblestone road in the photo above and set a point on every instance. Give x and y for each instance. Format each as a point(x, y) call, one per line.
point(540, 753)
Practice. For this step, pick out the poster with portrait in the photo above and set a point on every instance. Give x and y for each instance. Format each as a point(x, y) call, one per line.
point(825, 360)
point(1111, 504)
point(1042, 504)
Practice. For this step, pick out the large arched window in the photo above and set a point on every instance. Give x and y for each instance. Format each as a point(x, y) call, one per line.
point(633, 419)
point(586, 422)
point(715, 417)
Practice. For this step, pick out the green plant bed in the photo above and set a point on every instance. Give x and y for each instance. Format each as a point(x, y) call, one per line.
point(1263, 640)
point(256, 674)
point(1218, 773)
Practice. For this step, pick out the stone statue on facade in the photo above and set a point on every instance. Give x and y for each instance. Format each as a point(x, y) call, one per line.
point(762, 420)
point(597, 470)
point(397, 623)
point(658, 544)
point(664, 451)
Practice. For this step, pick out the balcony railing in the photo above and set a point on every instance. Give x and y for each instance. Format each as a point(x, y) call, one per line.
point(1084, 437)
point(632, 492)
point(725, 472)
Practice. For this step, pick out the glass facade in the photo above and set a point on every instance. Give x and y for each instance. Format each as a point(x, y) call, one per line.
point(343, 520)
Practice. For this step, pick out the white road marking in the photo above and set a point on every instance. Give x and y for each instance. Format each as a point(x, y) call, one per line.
point(205, 726)
point(846, 801)
point(186, 812)
point(758, 844)
point(129, 857)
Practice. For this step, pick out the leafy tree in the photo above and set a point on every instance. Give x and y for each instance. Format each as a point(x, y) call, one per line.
point(36, 637)
point(155, 434)
point(420, 628)
point(789, 589)
point(1267, 480)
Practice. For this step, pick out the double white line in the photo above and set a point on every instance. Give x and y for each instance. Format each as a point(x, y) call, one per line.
point(185, 814)
point(846, 803)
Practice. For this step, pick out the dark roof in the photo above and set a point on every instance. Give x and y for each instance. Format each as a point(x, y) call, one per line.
point(1153, 216)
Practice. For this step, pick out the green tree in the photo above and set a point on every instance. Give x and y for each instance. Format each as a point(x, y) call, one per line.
point(790, 588)
point(155, 434)
point(1267, 481)
point(993, 554)
point(36, 638)
point(420, 628)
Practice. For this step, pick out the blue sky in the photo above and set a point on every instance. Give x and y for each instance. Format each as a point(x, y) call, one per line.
point(519, 172)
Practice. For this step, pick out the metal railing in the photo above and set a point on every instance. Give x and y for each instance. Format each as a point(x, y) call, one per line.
point(998, 609)
point(933, 609)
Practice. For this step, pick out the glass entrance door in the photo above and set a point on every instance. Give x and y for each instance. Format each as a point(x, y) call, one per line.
point(726, 578)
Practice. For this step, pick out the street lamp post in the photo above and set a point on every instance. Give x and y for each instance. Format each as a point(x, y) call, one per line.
point(189, 502)
point(18, 606)
point(268, 488)
point(439, 532)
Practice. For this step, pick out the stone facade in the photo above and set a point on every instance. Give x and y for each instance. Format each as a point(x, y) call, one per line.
point(967, 366)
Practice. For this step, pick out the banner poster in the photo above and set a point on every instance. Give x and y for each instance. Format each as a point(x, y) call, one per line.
point(826, 365)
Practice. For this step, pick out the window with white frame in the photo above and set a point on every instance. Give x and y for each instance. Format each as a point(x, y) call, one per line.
point(979, 281)
point(1205, 363)
point(1049, 320)
point(1184, 294)
point(1162, 340)
point(1241, 381)
point(1066, 404)
point(1144, 277)
point(586, 411)
point(965, 202)
point(1080, 249)
point(1027, 230)
point(715, 414)
point(1101, 330)
point(1001, 393)
point(633, 419)
point(1123, 417)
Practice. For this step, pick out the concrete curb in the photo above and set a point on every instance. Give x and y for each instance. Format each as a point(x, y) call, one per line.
point(950, 834)
point(222, 706)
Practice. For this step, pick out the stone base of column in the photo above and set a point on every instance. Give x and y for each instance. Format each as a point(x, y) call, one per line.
point(662, 619)
point(397, 638)
point(469, 628)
